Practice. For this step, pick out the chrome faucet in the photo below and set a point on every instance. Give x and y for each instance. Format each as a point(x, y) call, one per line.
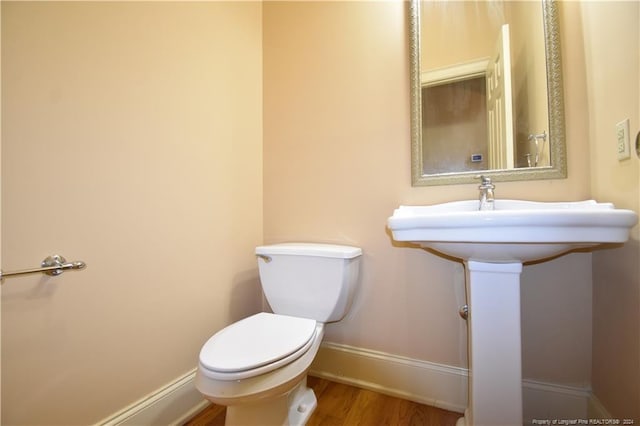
point(486, 193)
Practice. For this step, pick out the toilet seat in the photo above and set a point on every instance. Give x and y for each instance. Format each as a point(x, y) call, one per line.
point(256, 345)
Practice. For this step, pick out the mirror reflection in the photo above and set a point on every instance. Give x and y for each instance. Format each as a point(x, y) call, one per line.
point(484, 97)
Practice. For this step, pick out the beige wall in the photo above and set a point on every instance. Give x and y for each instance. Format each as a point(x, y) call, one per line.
point(529, 78)
point(336, 161)
point(612, 47)
point(458, 31)
point(0, 212)
point(132, 141)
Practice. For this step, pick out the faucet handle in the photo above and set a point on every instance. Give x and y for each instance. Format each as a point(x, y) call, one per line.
point(485, 182)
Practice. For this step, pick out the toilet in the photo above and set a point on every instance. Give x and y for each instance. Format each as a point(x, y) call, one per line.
point(257, 367)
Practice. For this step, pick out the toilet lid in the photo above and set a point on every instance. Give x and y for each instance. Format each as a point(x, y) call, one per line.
point(258, 341)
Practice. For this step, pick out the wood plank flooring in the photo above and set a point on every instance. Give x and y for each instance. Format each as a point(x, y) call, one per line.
point(344, 405)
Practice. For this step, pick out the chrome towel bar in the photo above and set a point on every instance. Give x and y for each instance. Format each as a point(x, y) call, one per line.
point(52, 265)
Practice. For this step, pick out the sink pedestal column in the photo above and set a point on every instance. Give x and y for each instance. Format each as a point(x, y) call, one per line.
point(495, 364)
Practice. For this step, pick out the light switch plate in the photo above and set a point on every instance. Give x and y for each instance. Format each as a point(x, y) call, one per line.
point(622, 138)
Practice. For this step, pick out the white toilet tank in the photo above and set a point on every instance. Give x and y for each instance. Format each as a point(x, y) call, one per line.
point(307, 280)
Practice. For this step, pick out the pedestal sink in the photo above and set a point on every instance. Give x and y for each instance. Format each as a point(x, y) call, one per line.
point(493, 245)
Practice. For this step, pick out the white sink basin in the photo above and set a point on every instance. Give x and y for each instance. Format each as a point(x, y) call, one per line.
point(514, 232)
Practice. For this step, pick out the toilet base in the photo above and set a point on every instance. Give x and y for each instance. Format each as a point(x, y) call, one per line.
point(303, 403)
point(290, 409)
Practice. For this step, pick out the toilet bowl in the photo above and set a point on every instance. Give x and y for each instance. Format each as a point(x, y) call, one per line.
point(257, 367)
point(265, 398)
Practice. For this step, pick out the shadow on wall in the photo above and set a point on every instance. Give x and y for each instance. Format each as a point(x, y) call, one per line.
point(616, 329)
point(246, 295)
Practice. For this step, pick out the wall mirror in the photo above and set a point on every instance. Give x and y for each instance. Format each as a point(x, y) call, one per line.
point(486, 91)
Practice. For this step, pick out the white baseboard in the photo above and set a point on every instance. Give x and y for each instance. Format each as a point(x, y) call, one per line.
point(420, 381)
point(438, 385)
point(552, 401)
point(172, 404)
point(425, 382)
point(597, 410)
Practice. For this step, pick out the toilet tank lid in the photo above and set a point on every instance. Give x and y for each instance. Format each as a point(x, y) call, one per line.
point(311, 249)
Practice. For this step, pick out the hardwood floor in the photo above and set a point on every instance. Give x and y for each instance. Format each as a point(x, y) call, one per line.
point(344, 405)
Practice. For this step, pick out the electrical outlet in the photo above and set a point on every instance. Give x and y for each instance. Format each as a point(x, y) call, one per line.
point(622, 137)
